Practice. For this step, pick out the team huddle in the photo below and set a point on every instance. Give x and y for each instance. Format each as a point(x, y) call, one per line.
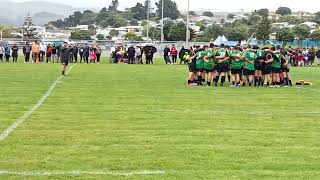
point(252, 66)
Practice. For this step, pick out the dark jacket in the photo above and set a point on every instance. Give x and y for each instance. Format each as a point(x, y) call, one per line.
point(182, 52)
point(131, 52)
point(86, 51)
point(65, 53)
point(166, 51)
point(27, 49)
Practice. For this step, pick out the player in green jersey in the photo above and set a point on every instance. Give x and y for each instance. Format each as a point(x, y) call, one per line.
point(191, 59)
point(249, 69)
point(222, 66)
point(258, 67)
point(285, 68)
point(236, 66)
point(200, 65)
point(208, 63)
point(276, 67)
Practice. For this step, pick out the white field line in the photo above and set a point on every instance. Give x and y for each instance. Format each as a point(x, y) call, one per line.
point(19, 121)
point(78, 173)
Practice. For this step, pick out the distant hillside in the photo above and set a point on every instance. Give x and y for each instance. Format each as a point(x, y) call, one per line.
point(13, 13)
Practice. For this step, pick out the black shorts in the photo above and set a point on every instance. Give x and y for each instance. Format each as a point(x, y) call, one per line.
point(276, 70)
point(208, 70)
point(66, 63)
point(192, 67)
point(267, 69)
point(222, 68)
point(200, 70)
point(258, 66)
point(236, 71)
point(248, 72)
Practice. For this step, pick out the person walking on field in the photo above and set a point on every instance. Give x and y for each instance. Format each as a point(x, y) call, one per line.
point(15, 50)
point(65, 55)
point(26, 52)
point(86, 53)
point(1, 53)
point(93, 56)
point(174, 54)
point(48, 53)
point(75, 53)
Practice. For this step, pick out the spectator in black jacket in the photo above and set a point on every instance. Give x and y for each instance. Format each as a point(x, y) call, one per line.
point(131, 55)
point(15, 51)
point(181, 54)
point(26, 52)
point(166, 55)
point(75, 53)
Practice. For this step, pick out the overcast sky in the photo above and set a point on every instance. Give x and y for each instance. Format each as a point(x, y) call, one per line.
point(212, 5)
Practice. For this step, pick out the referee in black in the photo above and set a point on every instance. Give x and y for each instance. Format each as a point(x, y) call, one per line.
point(65, 57)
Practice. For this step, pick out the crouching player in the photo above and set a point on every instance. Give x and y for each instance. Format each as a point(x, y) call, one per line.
point(208, 62)
point(236, 66)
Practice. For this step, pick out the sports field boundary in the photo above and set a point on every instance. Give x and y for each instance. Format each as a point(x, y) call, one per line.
point(25, 116)
point(79, 173)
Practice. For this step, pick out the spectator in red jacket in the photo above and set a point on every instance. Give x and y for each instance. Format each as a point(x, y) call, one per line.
point(174, 54)
point(300, 59)
point(49, 53)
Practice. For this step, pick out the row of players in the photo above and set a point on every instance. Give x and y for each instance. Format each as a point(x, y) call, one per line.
point(255, 66)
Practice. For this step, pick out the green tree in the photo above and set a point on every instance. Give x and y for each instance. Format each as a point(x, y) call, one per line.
point(263, 30)
point(263, 12)
point(114, 5)
point(284, 11)
point(134, 22)
point(213, 31)
point(100, 37)
point(170, 9)
point(139, 12)
point(315, 35)
point(291, 19)
point(207, 13)
point(192, 13)
point(238, 33)
point(114, 33)
point(80, 35)
point(230, 16)
point(302, 32)
point(28, 29)
point(317, 17)
point(88, 18)
point(254, 19)
point(285, 35)
point(178, 32)
point(6, 31)
point(131, 36)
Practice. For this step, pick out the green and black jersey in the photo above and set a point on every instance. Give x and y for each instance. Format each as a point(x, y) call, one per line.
point(223, 53)
point(277, 57)
point(236, 64)
point(209, 54)
point(251, 56)
point(199, 62)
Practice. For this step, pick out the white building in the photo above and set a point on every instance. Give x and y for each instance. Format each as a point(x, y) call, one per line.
point(311, 25)
point(81, 28)
point(280, 25)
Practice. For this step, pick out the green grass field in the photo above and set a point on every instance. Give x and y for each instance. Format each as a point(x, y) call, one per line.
point(139, 118)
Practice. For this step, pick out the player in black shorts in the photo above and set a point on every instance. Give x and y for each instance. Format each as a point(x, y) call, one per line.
point(258, 64)
point(267, 67)
point(64, 56)
point(285, 67)
point(191, 58)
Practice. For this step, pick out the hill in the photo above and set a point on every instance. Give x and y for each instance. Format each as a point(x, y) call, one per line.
point(13, 13)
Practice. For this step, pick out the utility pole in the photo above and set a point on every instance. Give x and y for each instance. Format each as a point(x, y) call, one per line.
point(1, 34)
point(148, 14)
point(188, 22)
point(162, 23)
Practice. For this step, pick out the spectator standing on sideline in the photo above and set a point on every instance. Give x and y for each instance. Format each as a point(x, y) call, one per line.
point(98, 53)
point(93, 56)
point(65, 55)
point(1, 53)
point(71, 53)
point(311, 56)
point(7, 52)
point(305, 55)
point(86, 53)
point(58, 53)
point(318, 56)
point(54, 53)
point(131, 55)
point(81, 52)
point(138, 55)
point(75, 53)
point(181, 55)
point(174, 54)
point(48, 53)
point(166, 53)
point(26, 52)
point(43, 50)
point(35, 52)
point(15, 50)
